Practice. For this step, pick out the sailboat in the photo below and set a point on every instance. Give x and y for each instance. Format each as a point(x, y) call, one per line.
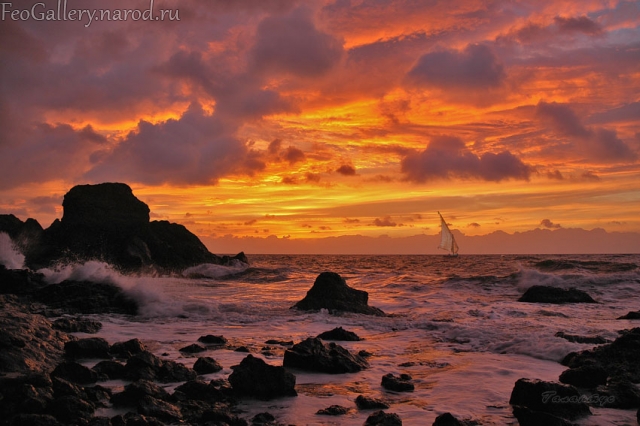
point(447, 240)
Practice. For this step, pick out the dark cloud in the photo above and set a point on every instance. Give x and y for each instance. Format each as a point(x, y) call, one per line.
point(596, 143)
point(293, 155)
point(385, 221)
point(293, 44)
point(346, 170)
point(197, 148)
point(447, 157)
point(476, 67)
point(548, 224)
point(582, 24)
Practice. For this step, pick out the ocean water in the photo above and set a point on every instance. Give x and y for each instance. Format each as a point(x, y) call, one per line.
point(455, 326)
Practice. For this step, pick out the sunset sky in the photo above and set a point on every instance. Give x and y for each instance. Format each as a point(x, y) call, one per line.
point(265, 120)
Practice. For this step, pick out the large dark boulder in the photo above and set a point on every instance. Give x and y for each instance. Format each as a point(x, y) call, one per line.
point(86, 297)
point(106, 222)
point(546, 399)
point(330, 291)
point(619, 358)
point(401, 383)
point(339, 334)
point(547, 294)
point(380, 418)
point(586, 376)
point(632, 315)
point(255, 378)
point(92, 347)
point(147, 366)
point(313, 354)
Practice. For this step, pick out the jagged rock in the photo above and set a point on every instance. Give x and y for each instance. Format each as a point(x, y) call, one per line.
point(24, 394)
point(206, 365)
point(193, 348)
point(447, 419)
point(380, 418)
point(279, 342)
point(92, 347)
point(255, 378)
point(27, 341)
point(339, 334)
point(77, 325)
point(547, 294)
point(313, 354)
point(585, 376)
point(529, 417)
point(263, 419)
point(330, 291)
point(86, 297)
point(19, 281)
point(400, 383)
point(334, 410)
point(134, 392)
point(550, 399)
point(200, 391)
point(619, 358)
point(34, 420)
point(210, 339)
point(617, 393)
point(71, 410)
point(159, 409)
point(75, 373)
point(221, 417)
point(632, 315)
point(111, 369)
point(593, 340)
point(107, 222)
point(146, 365)
point(126, 350)
point(366, 403)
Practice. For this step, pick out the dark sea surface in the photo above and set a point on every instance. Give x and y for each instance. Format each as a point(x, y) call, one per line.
point(455, 326)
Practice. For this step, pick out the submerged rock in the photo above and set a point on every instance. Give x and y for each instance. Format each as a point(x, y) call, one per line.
point(313, 354)
point(593, 340)
point(447, 419)
point(334, 410)
point(534, 399)
point(547, 294)
point(632, 315)
point(400, 383)
point(380, 418)
point(339, 334)
point(330, 291)
point(255, 378)
point(367, 403)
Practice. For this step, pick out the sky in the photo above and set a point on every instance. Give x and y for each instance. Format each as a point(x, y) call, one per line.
point(277, 125)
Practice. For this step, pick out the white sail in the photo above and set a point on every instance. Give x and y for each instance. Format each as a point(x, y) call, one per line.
point(447, 240)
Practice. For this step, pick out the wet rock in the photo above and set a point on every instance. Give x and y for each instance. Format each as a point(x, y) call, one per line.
point(127, 349)
point(447, 419)
point(263, 419)
point(313, 354)
point(19, 281)
point(146, 365)
point(339, 334)
point(279, 342)
point(27, 341)
point(547, 294)
point(33, 420)
point(255, 378)
point(77, 325)
point(380, 418)
point(211, 339)
point(206, 365)
point(193, 349)
point(617, 393)
point(92, 347)
point(111, 369)
point(585, 376)
point(330, 291)
point(159, 409)
point(367, 403)
point(24, 394)
point(71, 410)
point(400, 383)
point(529, 417)
point(619, 358)
point(633, 315)
point(75, 373)
point(242, 349)
point(221, 417)
point(548, 398)
point(85, 297)
point(134, 392)
point(200, 391)
point(593, 340)
point(334, 410)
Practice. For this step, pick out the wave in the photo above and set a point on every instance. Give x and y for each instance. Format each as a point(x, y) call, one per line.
point(597, 266)
point(10, 256)
point(211, 270)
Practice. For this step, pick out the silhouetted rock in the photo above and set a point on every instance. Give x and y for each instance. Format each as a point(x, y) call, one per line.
point(159, 409)
point(92, 347)
point(206, 365)
point(585, 376)
point(619, 358)
point(330, 291)
point(77, 325)
point(380, 418)
point(70, 409)
point(75, 373)
point(198, 390)
point(547, 294)
point(193, 348)
point(106, 222)
point(339, 334)
point(211, 339)
point(86, 297)
point(529, 417)
point(147, 366)
point(632, 315)
point(617, 393)
point(400, 383)
point(548, 398)
point(367, 403)
point(127, 349)
point(592, 340)
point(111, 369)
point(313, 354)
point(134, 392)
point(255, 378)
point(334, 410)
point(25, 235)
point(447, 419)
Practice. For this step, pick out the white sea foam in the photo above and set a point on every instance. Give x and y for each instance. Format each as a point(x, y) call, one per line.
point(10, 256)
point(89, 271)
point(211, 270)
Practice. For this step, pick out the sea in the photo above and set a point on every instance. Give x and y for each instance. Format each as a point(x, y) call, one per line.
point(454, 325)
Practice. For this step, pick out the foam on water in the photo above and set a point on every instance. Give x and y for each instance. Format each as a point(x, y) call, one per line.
point(211, 270)
point(10, 256)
